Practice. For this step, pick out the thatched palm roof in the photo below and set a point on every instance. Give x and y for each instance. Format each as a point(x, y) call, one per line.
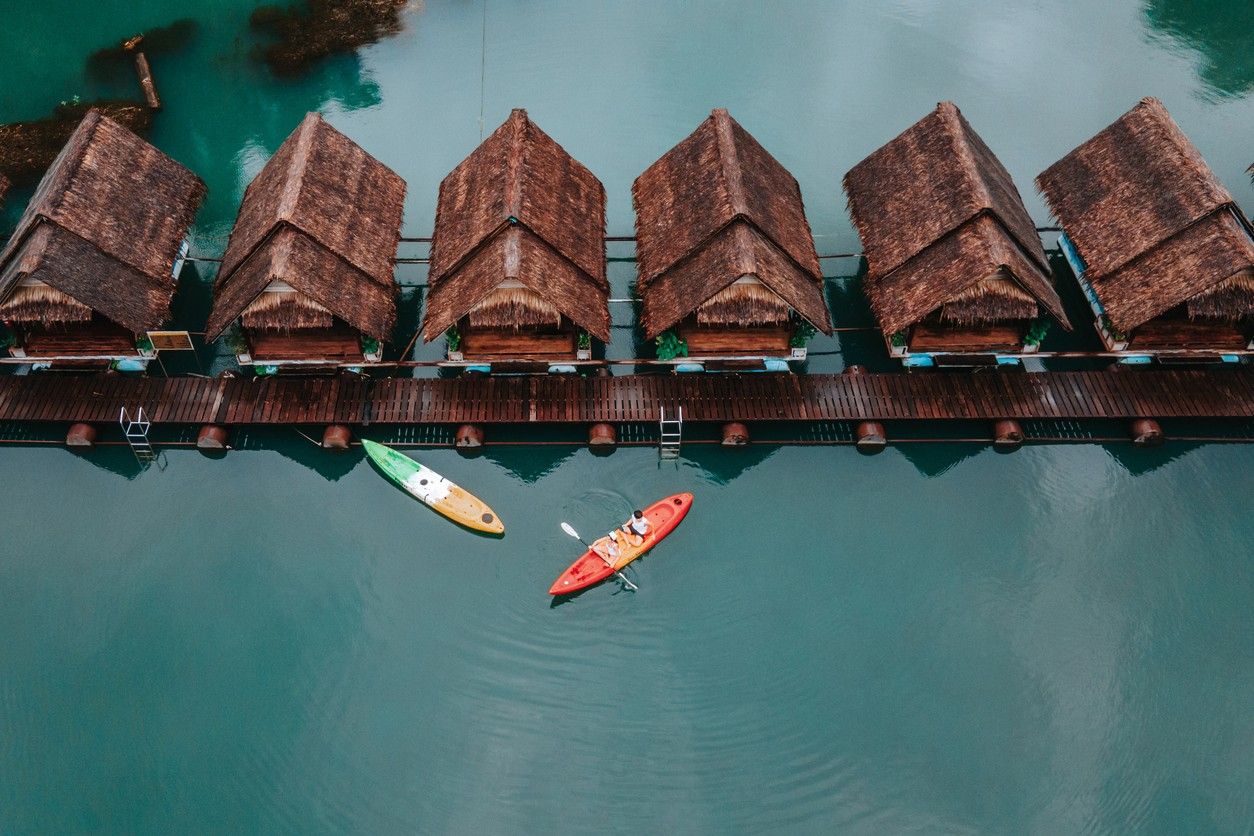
point(712, 209)
point(940, 219)
point(104, 227)
point(519, 208)
point(4, 188)
point(1152, 223)
point(323, 217)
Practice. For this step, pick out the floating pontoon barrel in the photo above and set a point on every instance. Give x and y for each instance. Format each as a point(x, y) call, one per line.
point(1146, 432)
point(468, 435)
point(1007, 435)
point(337, 437)
point(212, 437)
point(604, 436)
point(81, 435)
point(870, 436)
point(735, 434)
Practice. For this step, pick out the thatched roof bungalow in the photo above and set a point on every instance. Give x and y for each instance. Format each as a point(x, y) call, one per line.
point(954, 262)
point(724, 252)
point(308, 271)
point(518, 256)
point(93, 263)
point(1160, 247)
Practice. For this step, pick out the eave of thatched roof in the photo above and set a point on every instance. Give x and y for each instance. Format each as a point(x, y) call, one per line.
point(938, 215)
point(714, 208)
point(517, 253)
point(519, 207)
point(328, 187)
point(514, 307)
point(968, 256)
point(105, 225)
point(41, 304)
point(740, 249)
point(285, 311)
point(744, 303)
point(1192, 263)
point(324, 217)
point(1152, 222)
point(292, 257)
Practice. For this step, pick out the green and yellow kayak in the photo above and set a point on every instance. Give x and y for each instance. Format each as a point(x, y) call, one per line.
point(423, 483)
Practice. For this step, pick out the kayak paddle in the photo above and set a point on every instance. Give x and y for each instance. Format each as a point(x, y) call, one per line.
point(571, 531)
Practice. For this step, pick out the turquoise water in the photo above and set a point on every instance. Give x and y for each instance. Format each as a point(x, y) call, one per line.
point(939, 638)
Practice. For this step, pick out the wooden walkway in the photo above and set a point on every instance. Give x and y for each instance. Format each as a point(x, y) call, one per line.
point(1131, 393)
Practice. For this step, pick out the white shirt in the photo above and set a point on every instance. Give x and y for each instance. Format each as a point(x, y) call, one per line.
point(640, 525)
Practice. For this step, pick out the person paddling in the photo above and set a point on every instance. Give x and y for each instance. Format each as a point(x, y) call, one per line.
point(636, 527)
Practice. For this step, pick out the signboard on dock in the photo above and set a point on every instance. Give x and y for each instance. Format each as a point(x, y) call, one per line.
point(171, 340)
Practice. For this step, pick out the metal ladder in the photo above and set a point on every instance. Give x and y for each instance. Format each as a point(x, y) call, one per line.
point(136, 432)
point(671, 433)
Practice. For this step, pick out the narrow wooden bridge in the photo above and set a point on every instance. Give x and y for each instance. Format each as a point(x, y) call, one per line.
point(1128, 393)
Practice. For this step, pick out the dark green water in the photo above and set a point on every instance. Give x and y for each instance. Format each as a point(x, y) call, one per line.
point(936, 639)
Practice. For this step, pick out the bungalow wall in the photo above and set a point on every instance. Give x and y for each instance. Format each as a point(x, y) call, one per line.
point(100, 337)
point(934, 336)
point(1175, 331)
point(523, 343)
point(338, 344)
point(734, 341)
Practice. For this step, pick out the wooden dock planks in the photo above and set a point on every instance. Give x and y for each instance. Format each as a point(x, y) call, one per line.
point(1128, 393)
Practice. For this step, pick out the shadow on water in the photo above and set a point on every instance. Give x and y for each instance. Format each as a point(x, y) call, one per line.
point(723, 464)
point(119, 460)
point(1218, 31)
point(1141, 460)
point(933, 460)
point(529, 464)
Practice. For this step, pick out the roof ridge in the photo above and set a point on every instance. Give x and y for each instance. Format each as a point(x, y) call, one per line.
point(951, 117)
point(729, 162)
point(294, 183)
point(515, 162)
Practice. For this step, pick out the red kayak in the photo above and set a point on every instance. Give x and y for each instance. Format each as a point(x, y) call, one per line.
point(663, 516)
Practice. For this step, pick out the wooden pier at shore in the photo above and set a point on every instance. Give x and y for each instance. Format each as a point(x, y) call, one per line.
point(354, 400)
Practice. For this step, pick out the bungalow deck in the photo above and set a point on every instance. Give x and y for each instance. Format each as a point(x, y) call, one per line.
point(353, 400)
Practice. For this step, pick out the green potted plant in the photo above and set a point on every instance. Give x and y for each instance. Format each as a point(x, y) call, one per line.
point(583, 349)
point(670, 346)
point(1117, 340)
point(802, 333)
point(371, 349)
point(453, 338)
point(9, 340)
point(235, 343)
point(1035, 334)
point(143, 344)
point(897, 342)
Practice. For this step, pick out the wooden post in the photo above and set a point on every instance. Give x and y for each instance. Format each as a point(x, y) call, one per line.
point(735, 434)
point(1146, 432)
point(1007, 435)
point(212, 437)
point(468, 435)
point(870, 436)
point(603, 436)
point(81, 435)
point(145, 81)
point(337, 437)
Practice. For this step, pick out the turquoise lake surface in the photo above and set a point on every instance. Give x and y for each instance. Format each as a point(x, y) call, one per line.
point(936, 639)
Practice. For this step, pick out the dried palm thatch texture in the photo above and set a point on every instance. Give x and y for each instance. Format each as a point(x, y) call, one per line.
point(105, 225)
point(514, 307)
point(712, 209)
point(323, 217)
point(743, 302)
point(43, 304)
point(939, 217)
point(285, 310)
point(1152, 223)
point(4, 188)
point(519, 208)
